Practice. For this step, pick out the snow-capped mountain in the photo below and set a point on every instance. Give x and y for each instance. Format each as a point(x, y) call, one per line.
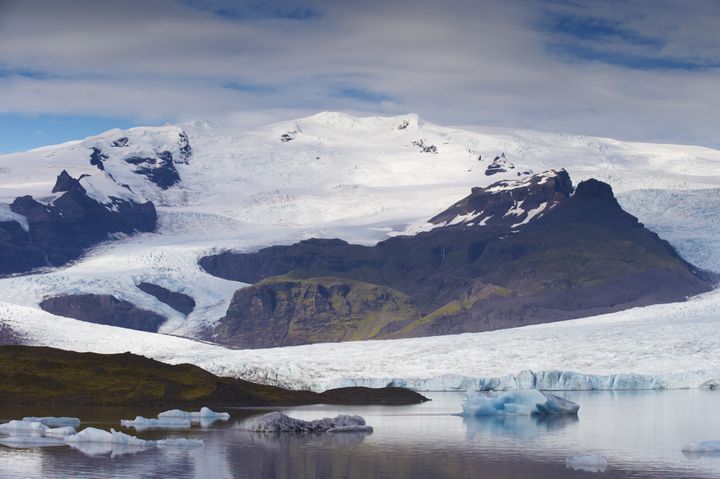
point(329, 175)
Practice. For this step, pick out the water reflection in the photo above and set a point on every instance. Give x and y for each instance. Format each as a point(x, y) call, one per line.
point(515, 426)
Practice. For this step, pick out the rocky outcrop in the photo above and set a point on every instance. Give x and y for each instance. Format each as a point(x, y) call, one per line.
point(8, 336)
point(551, 254)
point(509, 203)
point(159, 169)
point(62, 230)
point(103, 309)
point(285, 312)
point(178, 301)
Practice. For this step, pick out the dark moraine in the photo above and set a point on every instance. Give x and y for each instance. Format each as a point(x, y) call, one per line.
point(178, 301)
point(103, 309)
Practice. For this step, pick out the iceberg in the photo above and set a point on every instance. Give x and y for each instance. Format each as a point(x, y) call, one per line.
point(97, 441)
point(519, 403)
point(91, 434)
point(278, 422)
point(204, 413)
point(587, 462)
point(141, 423)
point(52, 421)
point(60, 432)
point(26, 427)
point(30, 441)
point(702, 447)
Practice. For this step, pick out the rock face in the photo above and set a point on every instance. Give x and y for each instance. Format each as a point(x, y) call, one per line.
point(178, 301)
point(512, 254)
point(284, 312)
point(63, 229)
point(8, 336)
point(103, 309)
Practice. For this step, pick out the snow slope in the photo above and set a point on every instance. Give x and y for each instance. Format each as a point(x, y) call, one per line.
point(364, 179)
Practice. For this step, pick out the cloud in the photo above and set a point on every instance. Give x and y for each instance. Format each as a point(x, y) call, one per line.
point(633, 70)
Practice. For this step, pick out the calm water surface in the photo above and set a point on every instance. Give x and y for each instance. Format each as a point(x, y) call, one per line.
point(640, 433)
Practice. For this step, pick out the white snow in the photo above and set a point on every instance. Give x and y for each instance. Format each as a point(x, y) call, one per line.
point(279, 422)
point(363, 180)
point(587, 462)
point(6, 214)
point(518, 403)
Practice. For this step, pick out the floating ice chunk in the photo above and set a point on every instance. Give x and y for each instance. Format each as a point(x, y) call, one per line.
point(278, 422)
point(522, 403)
point(52, 421)
point(26, 427)
point(702, 447)
point(204, 413)
point(587, 462)
point(31, 441)
point(60, 432)
point(91, 434)
point(140, 423)
point(181, 443)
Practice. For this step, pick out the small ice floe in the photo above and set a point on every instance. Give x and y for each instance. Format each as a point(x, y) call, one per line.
point(60, 432)
point(529, 402)
point(31, 441)
point(587, 462)
point(278, 422)
point(52, 421)
point(142, 423)
point(91, 434)
point(94, 441)
point(702, 447)
point(24, 427)
point(195, 416)
point(180, 442)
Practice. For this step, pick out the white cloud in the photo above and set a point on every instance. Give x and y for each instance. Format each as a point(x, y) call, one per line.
point(453, 62)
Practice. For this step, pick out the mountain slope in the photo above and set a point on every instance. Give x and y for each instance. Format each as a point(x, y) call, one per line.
point(361, 179)
point(514, 253)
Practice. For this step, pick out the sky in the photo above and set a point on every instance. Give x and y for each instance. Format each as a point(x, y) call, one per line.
point(645, 70)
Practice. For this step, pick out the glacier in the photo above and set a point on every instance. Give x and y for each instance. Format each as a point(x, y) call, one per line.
point(526, 402)
point(362, 179)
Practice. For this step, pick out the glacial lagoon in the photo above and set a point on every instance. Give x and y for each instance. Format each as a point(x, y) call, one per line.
point(640, 433)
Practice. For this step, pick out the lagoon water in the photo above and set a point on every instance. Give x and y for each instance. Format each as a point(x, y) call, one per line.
point(640, 433)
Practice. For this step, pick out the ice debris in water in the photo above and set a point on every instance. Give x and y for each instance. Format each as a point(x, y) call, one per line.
point(278, 422)
point(204, 413)
point(587, 462)
point(529, 402)
point(161, 423)
point(60, 431)
point(26, 427)
point(52, 421)
point(702, 447)
point(94, 435)
point(31, 441)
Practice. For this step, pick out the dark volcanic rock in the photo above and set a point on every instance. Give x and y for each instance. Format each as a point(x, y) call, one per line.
point(499, 165)
point(178, 301)
point(509, 203)
point(64, 182)
point(8, 336)
point(580, 255)
point(103, 309)
point(160, 170)
point(97, 157)
point(62, 231)
point(284, 312)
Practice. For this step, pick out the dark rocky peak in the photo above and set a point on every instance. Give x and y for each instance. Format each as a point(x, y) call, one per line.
point(64, 182)
point(184, 148)
point(62, 230)
point(403, 125)
point(120, 142)
point(159, 169)
point(178, 301)
point(424, 147)
point(97, 157)
point(289, 136)
point(509, 203)
point(500, 164)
